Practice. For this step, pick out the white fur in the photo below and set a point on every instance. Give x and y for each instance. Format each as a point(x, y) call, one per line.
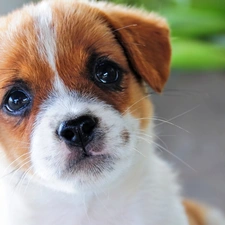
point(215, 217)
point(140, 190)
point(61, 106)
point(46, 46)
point(135, 199)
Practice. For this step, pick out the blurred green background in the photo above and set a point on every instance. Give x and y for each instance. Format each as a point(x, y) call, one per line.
point(198, 31)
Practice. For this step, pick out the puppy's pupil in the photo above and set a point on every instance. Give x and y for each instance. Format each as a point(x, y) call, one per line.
point(107, 73)
point(16, 101)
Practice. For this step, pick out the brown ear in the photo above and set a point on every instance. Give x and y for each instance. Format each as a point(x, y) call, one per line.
point(145, 40)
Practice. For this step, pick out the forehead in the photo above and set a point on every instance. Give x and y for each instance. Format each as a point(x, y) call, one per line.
point(43, 40)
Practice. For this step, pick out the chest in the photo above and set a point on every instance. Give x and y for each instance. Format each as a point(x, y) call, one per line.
point(55, 209)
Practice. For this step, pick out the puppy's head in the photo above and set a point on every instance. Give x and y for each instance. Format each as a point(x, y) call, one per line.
point(72, 89)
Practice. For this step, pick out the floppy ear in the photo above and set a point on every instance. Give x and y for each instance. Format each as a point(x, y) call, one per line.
point(145, 40)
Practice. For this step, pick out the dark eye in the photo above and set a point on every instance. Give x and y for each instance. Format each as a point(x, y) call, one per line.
point(17, 101)
point(108, 73)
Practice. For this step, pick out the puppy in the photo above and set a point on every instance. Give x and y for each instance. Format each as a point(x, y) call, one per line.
point(76, 129)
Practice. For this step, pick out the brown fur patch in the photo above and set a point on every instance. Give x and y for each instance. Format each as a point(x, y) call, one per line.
point(19, 60)
point(81, 30)
point(125, 135)
point(72, 58)
point(195, 213)
point(145, 40)
point(85, 36)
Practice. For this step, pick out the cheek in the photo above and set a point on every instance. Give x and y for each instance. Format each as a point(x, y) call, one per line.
point(15, 142)
point(139, 104)
point(50, 156)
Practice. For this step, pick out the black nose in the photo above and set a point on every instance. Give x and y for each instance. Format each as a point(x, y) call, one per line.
point(78, 132)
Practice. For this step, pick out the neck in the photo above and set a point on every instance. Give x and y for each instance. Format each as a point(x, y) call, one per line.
point(25, 198)
point(34, 204)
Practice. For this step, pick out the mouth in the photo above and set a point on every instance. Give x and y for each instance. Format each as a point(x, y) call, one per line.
point(81, 149)
point(89, 164)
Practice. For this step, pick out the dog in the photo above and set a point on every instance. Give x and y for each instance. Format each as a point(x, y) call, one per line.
point(76, 127)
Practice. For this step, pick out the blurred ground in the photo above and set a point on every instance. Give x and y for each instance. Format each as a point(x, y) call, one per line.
point(197, 104)
point(7, 6)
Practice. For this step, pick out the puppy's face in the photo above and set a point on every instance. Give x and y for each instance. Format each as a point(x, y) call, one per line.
point(71, 90)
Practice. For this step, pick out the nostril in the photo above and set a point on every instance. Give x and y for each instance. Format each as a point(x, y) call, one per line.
point(88, 125)
point(68, 134)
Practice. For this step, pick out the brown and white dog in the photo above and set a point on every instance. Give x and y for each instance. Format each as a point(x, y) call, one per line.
point(76, 127)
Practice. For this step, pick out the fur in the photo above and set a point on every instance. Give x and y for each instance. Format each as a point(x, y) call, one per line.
point(50, 52)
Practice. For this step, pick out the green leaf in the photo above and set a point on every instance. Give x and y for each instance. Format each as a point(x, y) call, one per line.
point(189, 22)
point(212, 5)
point(191, 54)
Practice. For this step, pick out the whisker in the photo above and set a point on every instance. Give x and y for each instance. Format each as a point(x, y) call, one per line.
point(139, 152)
point(22, 178)
point(152, 137)
point(18, 183)
point(172, 92)
point(134, 110)
point(146, 96)
point(30, 178)
point(184, 92)
point(169, 135)
point(5, 173)
point(175, 117)
point(18, 186)
point(125, 27)
point(163, 121)
point(149, 136)
point(169, 152)
point(113, 31)
point(27, 153)
point(18, 169)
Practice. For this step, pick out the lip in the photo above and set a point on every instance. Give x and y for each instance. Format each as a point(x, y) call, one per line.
point(90, 164)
